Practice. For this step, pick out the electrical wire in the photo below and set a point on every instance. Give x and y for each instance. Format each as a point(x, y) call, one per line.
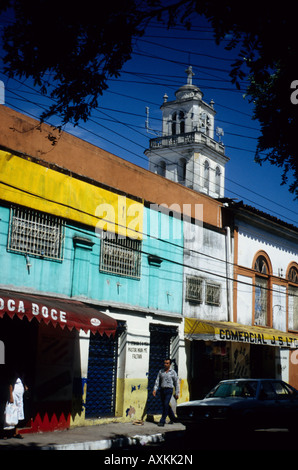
point(170, 260)
point(178, 153)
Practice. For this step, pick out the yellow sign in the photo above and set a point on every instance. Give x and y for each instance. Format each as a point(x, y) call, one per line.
point(33, 185)
point(227, 331)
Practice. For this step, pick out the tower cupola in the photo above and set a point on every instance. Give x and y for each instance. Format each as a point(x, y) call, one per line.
point(187, 151)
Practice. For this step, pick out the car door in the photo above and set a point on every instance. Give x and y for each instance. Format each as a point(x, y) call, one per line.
point(286, 403)
point(269, 411)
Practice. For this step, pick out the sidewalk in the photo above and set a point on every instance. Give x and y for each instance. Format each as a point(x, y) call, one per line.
point(99, 437)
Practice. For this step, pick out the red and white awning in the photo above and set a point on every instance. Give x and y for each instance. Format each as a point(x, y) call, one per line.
point(65, 313)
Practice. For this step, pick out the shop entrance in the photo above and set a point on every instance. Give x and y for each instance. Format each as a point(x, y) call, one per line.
point(160, 348)
point(262, 361)
point(20, 341)
point(208, 365)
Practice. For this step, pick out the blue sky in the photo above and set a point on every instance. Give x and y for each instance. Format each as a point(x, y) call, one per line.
point(157, 67)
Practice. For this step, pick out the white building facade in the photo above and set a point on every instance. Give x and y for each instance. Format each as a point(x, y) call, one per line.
point(266, 289)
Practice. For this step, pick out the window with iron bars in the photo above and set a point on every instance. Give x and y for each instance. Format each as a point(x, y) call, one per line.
point(121, 256)
point(35, 233)
point(194, 288)
point(213, 294)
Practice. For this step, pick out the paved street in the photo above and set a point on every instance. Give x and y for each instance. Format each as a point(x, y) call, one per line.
point(261, 440)
point(127, 438)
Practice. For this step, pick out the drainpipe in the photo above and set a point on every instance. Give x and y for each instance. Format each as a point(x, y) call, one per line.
point(228, 274)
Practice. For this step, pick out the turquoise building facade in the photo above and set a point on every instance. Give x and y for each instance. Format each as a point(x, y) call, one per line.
point(80, 378)
point(78, 273)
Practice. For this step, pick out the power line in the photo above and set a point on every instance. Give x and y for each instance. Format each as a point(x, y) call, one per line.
point(170, 260)
point(238, 148)
point(178, 153)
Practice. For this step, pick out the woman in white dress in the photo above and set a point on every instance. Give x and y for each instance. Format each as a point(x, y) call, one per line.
point(16, 392)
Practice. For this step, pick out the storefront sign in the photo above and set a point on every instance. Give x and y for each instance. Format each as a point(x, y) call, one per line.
point(63, 312)
point(257, 338)
point(228, 331)
point(22, 307)
point(137, 352)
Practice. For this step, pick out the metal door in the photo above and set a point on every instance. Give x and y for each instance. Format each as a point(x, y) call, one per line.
point(101, 380)
point(160, 348)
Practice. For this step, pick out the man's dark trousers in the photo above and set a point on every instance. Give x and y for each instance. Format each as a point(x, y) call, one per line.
point(166, 395)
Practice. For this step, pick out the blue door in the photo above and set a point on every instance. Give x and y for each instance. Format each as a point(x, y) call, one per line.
point(101, 380)
point(160, 346)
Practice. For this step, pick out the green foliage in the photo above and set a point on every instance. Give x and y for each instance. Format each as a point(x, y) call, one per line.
point(71, 50)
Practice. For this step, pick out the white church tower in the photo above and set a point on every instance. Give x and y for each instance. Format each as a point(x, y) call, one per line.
point(187, 151)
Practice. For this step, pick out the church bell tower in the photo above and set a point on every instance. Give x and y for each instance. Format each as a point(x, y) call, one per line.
point(187, 152)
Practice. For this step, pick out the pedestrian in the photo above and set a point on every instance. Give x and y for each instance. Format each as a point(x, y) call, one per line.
point(16, 393)
point(166, 381)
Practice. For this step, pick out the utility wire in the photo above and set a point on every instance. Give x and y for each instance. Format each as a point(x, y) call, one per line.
point(174, 150)
point(170, 260)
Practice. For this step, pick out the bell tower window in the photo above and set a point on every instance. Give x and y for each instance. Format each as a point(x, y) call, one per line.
point(182, 170)
point(178, 123)
point(182, 122)
point(206, 175)
point(174, 124)
point(161, 169)
point(217, 180)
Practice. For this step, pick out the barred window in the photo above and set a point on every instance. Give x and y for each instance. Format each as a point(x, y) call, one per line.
point(119, 255)
point(293, 308)
point(194, 289)
point(35, 233)
point(212, 294)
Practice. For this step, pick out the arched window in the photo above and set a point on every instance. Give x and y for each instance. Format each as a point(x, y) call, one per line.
point(178, 123)
point(161, 168)
point(217, 180)
point(181, 170)
point(206, 175)
point(182, 122)
point(292, 277)
point(262, 268)
point(174, 124)
point(261, 265)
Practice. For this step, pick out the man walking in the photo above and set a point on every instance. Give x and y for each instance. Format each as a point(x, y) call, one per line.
point(166, 380)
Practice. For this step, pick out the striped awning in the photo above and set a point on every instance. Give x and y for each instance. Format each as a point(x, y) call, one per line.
point(58, 312)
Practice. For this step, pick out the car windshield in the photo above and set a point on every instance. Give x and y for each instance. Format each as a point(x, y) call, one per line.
point(234, 389)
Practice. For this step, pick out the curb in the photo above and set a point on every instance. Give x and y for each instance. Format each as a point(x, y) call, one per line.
point(105, 444)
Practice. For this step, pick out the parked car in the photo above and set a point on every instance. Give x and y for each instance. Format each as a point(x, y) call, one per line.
point(244, 404)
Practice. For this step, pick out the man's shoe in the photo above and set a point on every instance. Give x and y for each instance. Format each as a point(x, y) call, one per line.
point(161, 424)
